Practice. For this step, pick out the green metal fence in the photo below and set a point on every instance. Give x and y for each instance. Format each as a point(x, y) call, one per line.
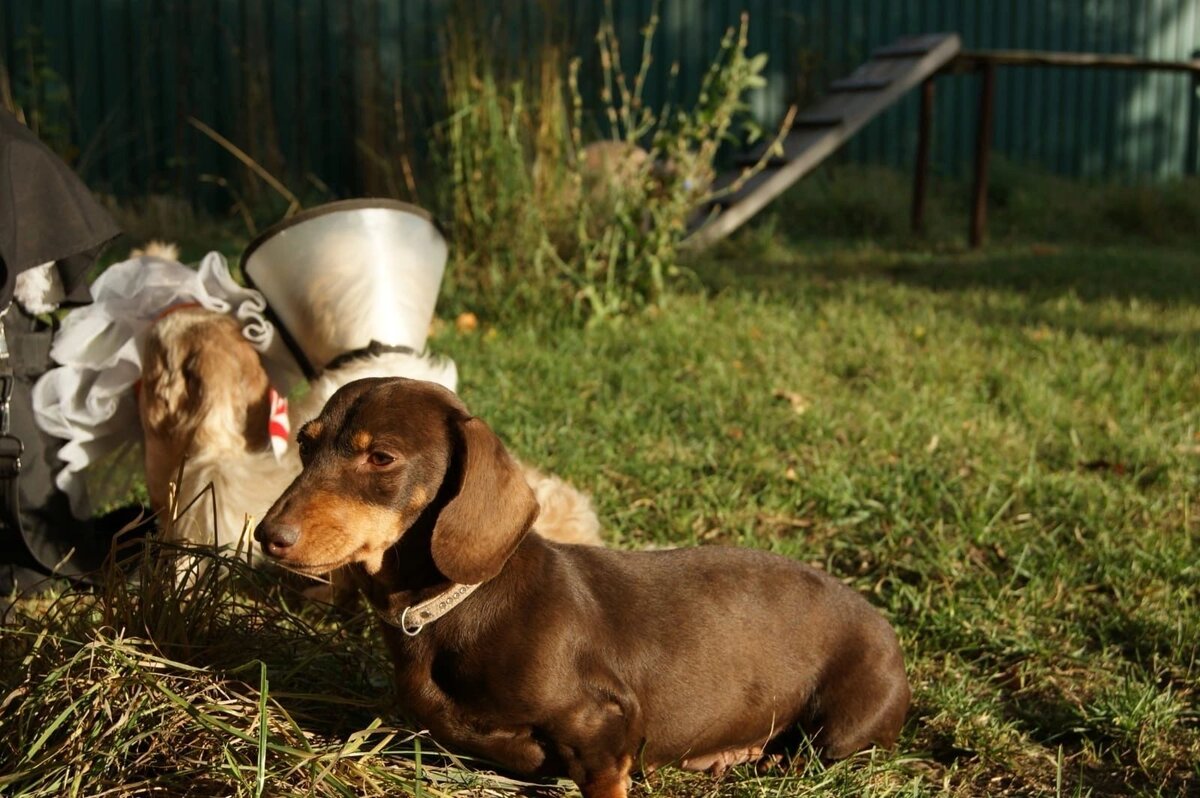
point(326, 93)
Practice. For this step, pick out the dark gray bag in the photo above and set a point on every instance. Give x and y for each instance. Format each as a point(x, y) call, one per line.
point(46, 215)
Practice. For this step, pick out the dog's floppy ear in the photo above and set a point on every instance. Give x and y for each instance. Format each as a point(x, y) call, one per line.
point(479, 528)
point(164, 389)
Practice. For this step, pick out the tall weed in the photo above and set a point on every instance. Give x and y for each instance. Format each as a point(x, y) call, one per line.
point(567, 213)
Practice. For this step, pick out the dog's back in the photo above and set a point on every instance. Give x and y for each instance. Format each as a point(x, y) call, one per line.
point(729, 647)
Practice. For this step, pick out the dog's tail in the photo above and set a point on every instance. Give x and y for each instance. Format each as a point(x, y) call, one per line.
point(167, 250)
point(566, 515)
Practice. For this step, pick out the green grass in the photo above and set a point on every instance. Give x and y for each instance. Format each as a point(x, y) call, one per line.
point(1000, 449)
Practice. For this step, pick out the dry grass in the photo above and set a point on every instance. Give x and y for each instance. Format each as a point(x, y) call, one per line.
point(190, 673)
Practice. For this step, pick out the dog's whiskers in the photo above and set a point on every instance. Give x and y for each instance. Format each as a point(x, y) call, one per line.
point(326, 580)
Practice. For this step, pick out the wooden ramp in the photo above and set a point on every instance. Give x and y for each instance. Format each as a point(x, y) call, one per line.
point(817, 132)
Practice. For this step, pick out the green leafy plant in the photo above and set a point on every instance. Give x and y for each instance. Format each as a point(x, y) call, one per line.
point(544, 218)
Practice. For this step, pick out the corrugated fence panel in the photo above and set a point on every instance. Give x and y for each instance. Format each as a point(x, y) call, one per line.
point(328, 93)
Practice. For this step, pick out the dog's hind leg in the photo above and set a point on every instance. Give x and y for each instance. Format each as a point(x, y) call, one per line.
point(863, 702)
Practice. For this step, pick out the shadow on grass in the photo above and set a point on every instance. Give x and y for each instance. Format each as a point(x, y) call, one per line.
point(1166, 276)
point(1053, 288)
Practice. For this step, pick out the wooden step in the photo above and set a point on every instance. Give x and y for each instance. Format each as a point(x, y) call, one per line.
point(852, 102)
point(860, 84)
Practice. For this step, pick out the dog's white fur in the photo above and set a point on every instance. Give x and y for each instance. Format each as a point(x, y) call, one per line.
point(39, 290)
point(247, 478)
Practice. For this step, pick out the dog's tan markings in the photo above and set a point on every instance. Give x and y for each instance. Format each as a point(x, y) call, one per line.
point(418, 500)
point(361, 440)
point(336, 529)
point(613, 783)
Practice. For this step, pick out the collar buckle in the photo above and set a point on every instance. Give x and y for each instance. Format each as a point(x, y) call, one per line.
point(428, 611)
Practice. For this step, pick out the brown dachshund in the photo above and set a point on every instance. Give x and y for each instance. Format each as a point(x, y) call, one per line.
point(551, 659)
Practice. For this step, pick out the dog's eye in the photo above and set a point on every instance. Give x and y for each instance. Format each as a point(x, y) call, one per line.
point(380, 458)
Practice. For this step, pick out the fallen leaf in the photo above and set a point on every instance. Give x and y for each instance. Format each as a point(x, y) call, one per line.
point(466, 322)
point(799, 403)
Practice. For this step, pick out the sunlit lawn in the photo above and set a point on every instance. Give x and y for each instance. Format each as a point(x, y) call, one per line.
point(1001, 450)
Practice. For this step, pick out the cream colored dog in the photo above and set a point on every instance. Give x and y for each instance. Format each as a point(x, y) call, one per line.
point(205, 403)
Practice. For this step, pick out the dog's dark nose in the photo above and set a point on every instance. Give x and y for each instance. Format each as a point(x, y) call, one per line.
point(276, 538)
